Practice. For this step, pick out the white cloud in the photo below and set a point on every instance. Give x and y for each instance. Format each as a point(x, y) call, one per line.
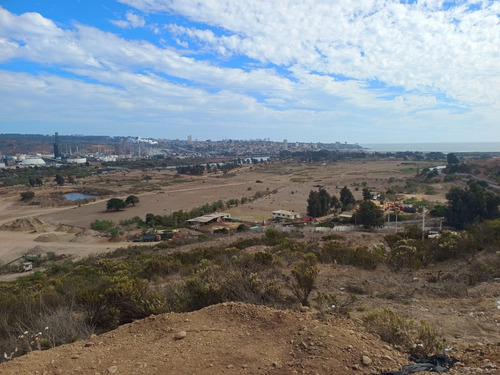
point(132, 21)
point(418, 46)
point(309, 64)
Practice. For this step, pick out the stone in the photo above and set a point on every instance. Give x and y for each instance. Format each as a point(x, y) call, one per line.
point(489, 366)
point(367, 361)
point(112, 369)
point(180, 335)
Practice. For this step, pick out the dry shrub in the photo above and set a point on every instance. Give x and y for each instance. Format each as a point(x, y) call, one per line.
point(331, 304)
point(404, 334)
point(485, 266)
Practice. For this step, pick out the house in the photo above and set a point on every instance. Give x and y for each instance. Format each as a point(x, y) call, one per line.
point(210, 218)
point(285, 215)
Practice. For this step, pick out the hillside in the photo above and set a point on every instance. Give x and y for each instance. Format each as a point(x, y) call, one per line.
point(233, 338)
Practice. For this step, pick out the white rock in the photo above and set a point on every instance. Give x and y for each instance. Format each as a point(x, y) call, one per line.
point(367, 361)
point(180, 335)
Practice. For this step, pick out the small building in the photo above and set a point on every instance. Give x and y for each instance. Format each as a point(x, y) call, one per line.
point(285, 215)
point(210, 218)
point(76, 160)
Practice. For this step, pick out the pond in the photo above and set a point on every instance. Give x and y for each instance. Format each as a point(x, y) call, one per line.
point(77, 196)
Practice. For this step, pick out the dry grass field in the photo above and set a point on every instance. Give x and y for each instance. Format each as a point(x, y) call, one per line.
point(165, 192)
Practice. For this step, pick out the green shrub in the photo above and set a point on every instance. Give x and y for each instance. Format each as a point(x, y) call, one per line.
point(274, 237)
point(242, 228)
point(102, 225)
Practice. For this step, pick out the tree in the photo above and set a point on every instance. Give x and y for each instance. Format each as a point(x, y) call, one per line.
point(334, 203)
point(313, 207)
point(59, 180)
point(451, 159)
point(115, 204)
point(346, 197)
point(132, 200)
point(369, 215)
point(367, 195)
point(304, 277)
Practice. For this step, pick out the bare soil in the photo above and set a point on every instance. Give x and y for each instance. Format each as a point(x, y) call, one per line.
point(230, 338)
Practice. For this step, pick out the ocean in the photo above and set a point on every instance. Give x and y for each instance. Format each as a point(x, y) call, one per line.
point(437, 147)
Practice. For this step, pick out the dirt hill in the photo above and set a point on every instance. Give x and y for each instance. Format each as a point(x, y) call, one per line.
point(231, 338)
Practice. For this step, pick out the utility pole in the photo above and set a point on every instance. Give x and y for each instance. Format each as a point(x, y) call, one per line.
point(423, 223)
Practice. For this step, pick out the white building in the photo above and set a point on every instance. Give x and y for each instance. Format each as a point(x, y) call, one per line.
point(33, 161)
point(76, 160)
point(285, 215)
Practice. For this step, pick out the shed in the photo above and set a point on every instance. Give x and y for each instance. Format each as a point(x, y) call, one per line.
point(210, 218)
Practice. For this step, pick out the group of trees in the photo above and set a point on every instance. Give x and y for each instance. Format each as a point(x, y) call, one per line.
point(35, 181)
point(321, 203)
point(199, 169)
point(469, 205)
point(117, 204)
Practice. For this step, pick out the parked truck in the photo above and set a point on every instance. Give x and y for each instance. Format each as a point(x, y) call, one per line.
point(152, 238)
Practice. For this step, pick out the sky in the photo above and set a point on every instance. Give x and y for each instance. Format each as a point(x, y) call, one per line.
point(356, 71)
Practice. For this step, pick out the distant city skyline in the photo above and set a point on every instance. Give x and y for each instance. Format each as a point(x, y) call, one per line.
point(361, 72)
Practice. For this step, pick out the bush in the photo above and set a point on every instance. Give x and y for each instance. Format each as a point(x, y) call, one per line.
point(274, 237)
point(304, 278)
point(331, 304)
point(332, 237)
point(242, 228)
point(358, 257)
point(27, 196)
point(102, 225)
point(404, 334)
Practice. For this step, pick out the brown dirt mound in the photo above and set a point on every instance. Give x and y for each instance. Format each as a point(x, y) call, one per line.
point(52, 237)
point(27, 225)
point(68, 229)
point(232, 338)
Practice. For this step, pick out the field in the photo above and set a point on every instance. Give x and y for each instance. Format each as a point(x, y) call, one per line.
point(166, 192)
point(463, 312)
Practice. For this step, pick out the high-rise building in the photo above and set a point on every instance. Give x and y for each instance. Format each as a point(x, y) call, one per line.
point(57, 146)
point(285, 144)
